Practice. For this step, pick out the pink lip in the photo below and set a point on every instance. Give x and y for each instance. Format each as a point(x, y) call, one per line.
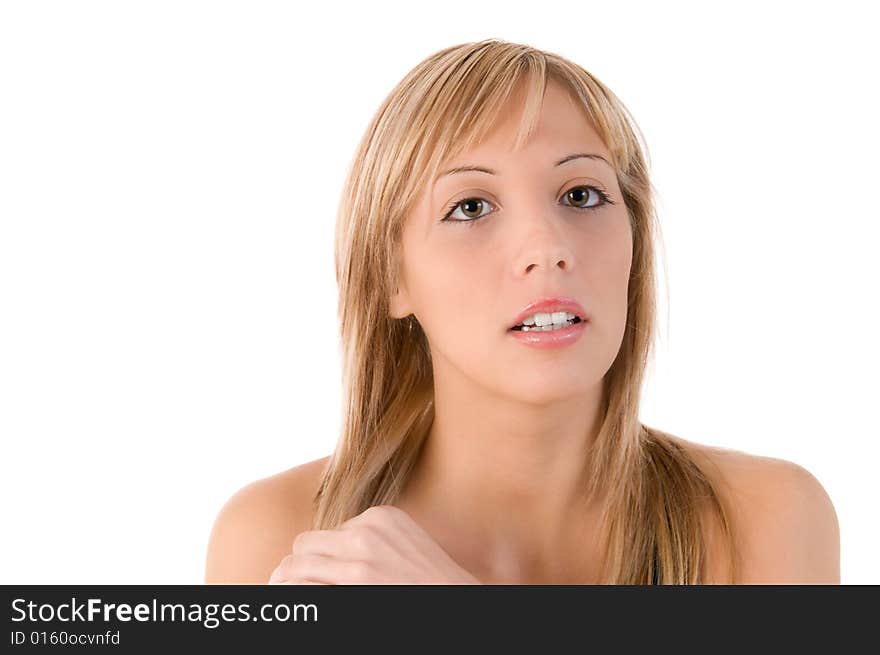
point(550, 305)
point(553, 339)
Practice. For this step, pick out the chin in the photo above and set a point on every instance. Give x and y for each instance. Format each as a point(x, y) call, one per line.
point(534, 393)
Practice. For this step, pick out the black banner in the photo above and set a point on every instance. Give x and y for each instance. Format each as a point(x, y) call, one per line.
point(410, 618)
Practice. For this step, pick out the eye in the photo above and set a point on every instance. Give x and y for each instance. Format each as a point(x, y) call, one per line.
point(582, 198)
point(470, 206)
point(581, 194)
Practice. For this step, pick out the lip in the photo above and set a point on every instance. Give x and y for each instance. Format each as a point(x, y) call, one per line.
point(548, 306)
point(552, 339)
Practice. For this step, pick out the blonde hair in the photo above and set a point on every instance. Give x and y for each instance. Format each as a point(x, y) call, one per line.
point(654, 518)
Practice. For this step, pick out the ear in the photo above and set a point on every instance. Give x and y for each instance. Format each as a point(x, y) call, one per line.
point(400, 306)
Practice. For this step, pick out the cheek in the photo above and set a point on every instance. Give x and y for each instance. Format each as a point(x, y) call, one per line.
point(608, 272)
point(453, 289)
point(615, 263)
point(606, 254)
point(456, 299)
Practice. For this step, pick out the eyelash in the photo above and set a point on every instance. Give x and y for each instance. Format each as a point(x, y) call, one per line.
point(606, 200)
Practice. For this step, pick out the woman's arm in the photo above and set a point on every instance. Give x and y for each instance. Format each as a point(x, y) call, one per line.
point(256, 527)
point(790, 532)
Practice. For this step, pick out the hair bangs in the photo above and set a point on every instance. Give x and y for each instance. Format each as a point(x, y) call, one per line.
point(472, 110)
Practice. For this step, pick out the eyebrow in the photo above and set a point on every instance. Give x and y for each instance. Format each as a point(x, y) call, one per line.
point(483, 169)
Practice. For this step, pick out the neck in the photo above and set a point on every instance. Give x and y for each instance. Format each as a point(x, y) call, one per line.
point(500, 483)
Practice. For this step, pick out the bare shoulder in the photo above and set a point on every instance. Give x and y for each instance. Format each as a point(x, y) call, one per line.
point(784, 521)
point(256, 526)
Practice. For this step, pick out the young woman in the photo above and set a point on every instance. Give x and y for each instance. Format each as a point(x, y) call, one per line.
point(495, 263)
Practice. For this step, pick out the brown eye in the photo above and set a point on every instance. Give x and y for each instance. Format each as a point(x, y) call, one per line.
point(580, 196)
point(471, 207)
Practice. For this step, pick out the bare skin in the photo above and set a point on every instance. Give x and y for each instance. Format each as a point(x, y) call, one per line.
point(788, 526)
point(498, 486)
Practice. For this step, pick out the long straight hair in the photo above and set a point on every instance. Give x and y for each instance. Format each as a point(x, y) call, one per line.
point(654, 523)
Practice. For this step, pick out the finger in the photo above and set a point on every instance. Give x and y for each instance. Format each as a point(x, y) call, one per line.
point(377, 515)
point(360, 541)
point(317, 569)
point(280, 572)
point(322, 542)
point(374, 514)
point(383, 517)
point(331, 570)
point(387, 524)
point(286, 573)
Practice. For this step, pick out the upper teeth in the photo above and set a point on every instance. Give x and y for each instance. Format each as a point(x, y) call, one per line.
point(546, 319)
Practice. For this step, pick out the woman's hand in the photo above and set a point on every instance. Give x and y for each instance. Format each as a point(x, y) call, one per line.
point(382, 545)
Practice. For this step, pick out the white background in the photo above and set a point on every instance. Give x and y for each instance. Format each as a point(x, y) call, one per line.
point(169, 175)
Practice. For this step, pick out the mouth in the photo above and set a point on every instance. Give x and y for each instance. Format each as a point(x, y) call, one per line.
point(549, 314)
point(552, 327)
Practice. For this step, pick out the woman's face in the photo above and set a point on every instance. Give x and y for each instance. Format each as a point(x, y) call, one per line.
point(521, 236)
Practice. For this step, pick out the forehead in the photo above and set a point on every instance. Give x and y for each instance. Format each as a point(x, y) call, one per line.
point(562, 125)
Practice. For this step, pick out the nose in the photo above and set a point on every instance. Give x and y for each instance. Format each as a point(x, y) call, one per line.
point(561, 263)
point(544, 243)
point(549, 254)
